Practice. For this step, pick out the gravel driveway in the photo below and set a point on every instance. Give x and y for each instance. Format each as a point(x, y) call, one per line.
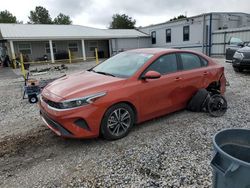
point(171, 151)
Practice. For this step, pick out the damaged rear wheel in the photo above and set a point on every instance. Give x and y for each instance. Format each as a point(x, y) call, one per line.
point(217, 105)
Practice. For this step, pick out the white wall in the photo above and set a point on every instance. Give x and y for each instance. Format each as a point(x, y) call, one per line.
point(122, 44)
point(198, 37)
point(195, 37)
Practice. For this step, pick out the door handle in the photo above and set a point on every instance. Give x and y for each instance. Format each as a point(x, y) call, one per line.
point(178, 78)
point(205, 73)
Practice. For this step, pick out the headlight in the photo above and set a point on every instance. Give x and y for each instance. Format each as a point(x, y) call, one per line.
point(238, 55)
point(73, 103)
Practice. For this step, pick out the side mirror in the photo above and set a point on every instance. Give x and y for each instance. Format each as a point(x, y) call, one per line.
point(151, 75)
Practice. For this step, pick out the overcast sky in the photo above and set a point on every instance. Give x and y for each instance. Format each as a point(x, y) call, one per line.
point(98, 13)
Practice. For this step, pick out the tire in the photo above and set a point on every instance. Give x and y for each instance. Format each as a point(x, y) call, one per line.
point(117, 121)
point(33, 98)
point(237, 69)
point(197, 101)
point(217, 105)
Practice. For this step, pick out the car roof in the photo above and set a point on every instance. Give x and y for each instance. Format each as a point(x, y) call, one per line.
point(153, 50)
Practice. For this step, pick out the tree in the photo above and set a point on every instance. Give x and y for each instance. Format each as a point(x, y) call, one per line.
point(7, 17)
point(62, 19)
point(40, 16)
point(122, 22)
point(179, 17)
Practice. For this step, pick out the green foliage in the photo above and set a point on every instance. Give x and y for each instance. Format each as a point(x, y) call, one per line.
point(7, 17)
point(62, 19)
point(40, 16)
point(179, 17)
point(122, 22)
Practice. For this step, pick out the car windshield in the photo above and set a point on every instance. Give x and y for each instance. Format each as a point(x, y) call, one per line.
point(123, 65)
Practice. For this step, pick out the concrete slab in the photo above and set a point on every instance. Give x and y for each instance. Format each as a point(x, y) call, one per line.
point(7, 73)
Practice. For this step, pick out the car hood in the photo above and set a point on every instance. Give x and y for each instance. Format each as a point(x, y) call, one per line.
point(244, 49)
point(81, 84)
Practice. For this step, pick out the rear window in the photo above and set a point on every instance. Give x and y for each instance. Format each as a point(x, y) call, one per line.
point(190, 61)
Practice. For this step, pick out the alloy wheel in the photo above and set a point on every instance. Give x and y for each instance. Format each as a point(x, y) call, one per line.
point(119, 121)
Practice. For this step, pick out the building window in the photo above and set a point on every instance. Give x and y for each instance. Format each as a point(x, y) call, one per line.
point(24, 48)
point(47, 49)
point(186, 33)
point(153, 37)
point(93, 45)
point(73, 47)
point(168, 35)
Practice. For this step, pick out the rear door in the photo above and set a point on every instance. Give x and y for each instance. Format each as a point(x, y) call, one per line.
point(194, 75)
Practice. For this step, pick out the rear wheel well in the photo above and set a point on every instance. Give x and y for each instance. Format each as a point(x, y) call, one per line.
point(214, 86)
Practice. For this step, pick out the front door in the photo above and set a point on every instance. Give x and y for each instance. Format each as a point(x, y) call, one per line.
point(158, 96)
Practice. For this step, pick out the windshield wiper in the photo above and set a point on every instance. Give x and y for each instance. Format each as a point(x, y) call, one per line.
point(104, 73)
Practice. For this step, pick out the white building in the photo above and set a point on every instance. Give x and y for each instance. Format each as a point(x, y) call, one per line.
point(195, 33)
point(36, 40)
point(207, 33)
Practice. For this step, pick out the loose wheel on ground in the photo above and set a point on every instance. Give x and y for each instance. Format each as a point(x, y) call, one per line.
point(217, 105)
point(197, 101)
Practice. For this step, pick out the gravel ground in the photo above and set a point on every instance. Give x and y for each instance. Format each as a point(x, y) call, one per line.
point(171, 151)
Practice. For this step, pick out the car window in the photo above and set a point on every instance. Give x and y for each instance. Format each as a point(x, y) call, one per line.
point(235, 40)
point(204, 62)
point(164, 64)
point(190, 61)
point(124, 64)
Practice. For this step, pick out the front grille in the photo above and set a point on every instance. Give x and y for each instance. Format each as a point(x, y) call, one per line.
point(246, 55)
point(51, 103)
point(55, 124)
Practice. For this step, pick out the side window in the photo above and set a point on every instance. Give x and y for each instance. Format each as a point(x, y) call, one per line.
point(235, 41)
point(204, 62)
point(164, 64)
point(190, 61)
point(153, 37)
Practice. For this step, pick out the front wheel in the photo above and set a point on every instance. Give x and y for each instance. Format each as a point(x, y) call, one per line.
point(117, 121)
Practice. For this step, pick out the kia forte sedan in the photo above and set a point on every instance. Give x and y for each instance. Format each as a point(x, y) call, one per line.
point(127, 89)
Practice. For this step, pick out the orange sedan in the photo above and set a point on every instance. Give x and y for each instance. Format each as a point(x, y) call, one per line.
point(129, 88)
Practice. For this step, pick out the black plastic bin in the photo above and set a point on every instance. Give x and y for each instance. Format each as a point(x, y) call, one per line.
point(231, 162)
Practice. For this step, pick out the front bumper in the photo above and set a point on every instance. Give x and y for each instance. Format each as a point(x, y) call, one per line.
point(244, 63)
point(83, 122)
